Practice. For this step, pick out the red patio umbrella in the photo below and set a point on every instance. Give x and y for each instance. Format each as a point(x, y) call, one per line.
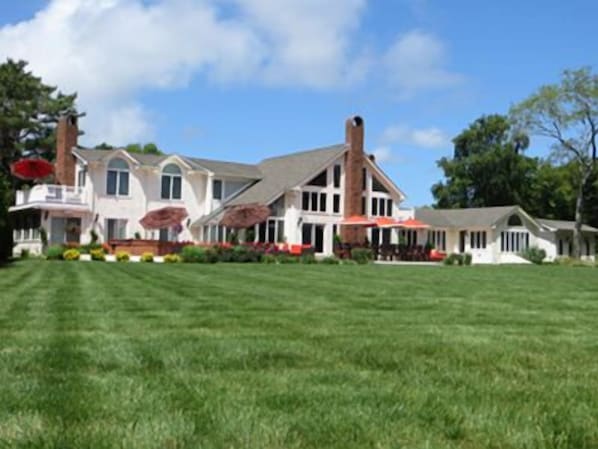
point(245, 215)
point(413, 223)
point(166, 217)
point(30, 168)
point(358, 220)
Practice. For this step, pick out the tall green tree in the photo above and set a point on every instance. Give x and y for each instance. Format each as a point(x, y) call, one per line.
point(488, 167)
point(567, 113)
point(29, 111)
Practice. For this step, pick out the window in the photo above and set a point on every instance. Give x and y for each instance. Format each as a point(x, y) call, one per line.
point(313, 234)
point(321, 180)
point(271, 231)
point(438, 239)
point(217, 189)
point(377, 186)
point(389, 208)
point(336, 203)
point(81, 175)
point(561, 249)
point(514, 220)
point(587, 242)
point(374, 206)
point(337, 176)
point(171, 182)
point(477, 239)
point(513, 242)
point(364, 181)
point(382, 207)
point(408, 237)
point(116, 229)
point(363, 211)
point(305, 201)
point(313, 201)
point(117, 179)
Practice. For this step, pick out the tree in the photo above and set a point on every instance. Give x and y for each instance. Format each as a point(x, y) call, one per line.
point(148, 148)
point(29, 111)
point(488, 167)
point(567, 113)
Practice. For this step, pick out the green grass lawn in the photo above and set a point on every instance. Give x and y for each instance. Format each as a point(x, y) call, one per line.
point(97, 355)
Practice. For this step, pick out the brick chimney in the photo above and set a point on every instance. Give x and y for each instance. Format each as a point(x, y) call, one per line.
point(67, 132)
point(354, 137)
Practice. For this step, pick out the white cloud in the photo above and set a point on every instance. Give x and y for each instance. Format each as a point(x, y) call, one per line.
point(109, 50)
point(417, 61)
point(429, 138)
point(383, 154)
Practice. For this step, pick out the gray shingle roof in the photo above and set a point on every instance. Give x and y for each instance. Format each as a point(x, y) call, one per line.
point(561, 225)
point(285, 172)
point(220, 168)
point(462, 218)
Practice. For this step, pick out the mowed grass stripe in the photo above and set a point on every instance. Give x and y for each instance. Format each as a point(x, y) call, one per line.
point(231, 356)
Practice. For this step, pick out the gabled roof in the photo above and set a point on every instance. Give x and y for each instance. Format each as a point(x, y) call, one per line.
point(463, 218)
point(286, 172)
point(561, 225)
point(219, 168)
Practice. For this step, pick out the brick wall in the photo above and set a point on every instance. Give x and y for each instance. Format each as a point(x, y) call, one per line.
point(354, 139)
point(66, 138)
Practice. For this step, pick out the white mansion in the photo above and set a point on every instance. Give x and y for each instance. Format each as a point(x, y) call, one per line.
point(309, 194)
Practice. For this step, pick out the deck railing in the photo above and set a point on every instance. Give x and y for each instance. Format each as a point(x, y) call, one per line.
point(48, 193)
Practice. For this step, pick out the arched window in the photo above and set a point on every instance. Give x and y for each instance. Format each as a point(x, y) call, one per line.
point(117, 178)
point(171, 182)
point(514, 220)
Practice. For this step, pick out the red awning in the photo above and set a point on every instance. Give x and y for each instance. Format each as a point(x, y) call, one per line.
point(413, 223)
point(167, 217)
point(358, 220)
point(29, 169)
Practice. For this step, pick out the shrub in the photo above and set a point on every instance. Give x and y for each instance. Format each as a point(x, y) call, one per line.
point(25, 253)
point(453, 259)
point(534, 255)
point(197, 254)
point(93, 236)
point(269, 258)
point(137, 236)
point(172, 258)
point(308, 259)
point(287, 258)
point(362, 255)
point(71, 254)
point(225, 254)
point(122, 256)
point(467, 258)
point(98, 254)
point(147, 257)
point(86, 249)
point(245, 254)
point(330, 260)
point(54, 252)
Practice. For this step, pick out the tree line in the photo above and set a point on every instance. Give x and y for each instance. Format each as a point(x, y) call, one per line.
point(489, 166)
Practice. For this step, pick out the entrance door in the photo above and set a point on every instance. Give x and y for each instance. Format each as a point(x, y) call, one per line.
point(313, 234)
point(58, 230)
point(73, 230)
point(462, 237)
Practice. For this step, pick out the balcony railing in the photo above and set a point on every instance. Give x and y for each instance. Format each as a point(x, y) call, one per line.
point(52, 194)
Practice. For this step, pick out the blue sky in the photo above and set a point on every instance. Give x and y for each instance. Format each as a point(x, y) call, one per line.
point(247, 79)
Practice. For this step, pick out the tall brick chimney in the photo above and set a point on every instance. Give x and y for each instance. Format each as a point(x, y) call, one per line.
point(67, 133)
point(354, 138)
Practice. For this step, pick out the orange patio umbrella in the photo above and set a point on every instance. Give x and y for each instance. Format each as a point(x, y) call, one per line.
point(413, 223)
point(358, 220)
point(387, 222)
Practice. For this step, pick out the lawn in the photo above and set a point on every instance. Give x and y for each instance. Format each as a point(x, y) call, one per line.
point(98, 355)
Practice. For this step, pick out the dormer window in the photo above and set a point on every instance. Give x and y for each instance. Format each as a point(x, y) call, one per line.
point(171, 182)
point(117, 178)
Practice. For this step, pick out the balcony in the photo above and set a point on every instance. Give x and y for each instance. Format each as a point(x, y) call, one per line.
point(52, 197)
